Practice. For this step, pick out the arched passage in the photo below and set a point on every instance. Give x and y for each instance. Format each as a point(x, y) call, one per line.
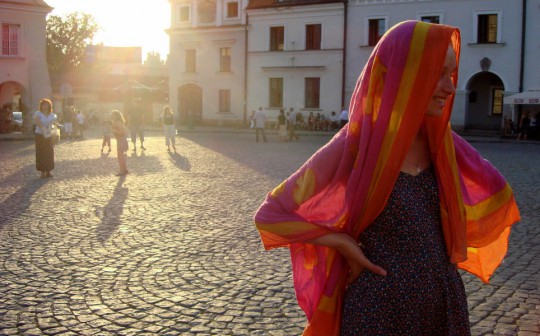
point(485, 102)
point(14, 94)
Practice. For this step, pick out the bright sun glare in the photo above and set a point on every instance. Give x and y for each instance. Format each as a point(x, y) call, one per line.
point(125, 22)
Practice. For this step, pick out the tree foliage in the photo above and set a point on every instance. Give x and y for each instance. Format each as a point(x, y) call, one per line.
point(67, 39)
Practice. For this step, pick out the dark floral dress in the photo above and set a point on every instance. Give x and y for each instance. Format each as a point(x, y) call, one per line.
point(423, 293)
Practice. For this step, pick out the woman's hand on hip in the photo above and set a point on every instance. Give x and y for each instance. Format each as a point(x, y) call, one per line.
point(352, 252)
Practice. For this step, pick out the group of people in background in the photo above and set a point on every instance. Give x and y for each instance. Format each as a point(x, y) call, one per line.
point(527, 127)
point(73, 123)
point(46, 122)
point(319, 121)
point(289, 122)
point(117, 125)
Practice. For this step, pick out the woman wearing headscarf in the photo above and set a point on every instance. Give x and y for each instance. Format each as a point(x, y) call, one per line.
point(379, 220)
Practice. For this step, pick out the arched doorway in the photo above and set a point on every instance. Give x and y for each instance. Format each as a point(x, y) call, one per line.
point(485, 102)
point(189, 103)
point(14, 94)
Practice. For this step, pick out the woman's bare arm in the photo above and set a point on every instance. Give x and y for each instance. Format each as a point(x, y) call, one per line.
point(37, 121)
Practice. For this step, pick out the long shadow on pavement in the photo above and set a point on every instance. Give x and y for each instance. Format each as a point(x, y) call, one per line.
point(17, 203)
point(180, 161)
point(106, 165)
point(262, 157)
point(112, 212)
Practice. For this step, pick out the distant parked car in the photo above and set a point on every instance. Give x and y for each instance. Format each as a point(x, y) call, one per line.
point(17, 121)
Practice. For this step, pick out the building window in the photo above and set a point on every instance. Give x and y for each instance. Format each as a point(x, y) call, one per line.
point(184, 13)
point(431, 19)
point(276, 92)
point(313, 37)
point(225, 60)
point(277, 38)
point(224, 100)
point(312, 92)
point(377, 28)
point(191, 60)
point(487, 28)
point(10, 39)
point(497, 103)
point(232, 9)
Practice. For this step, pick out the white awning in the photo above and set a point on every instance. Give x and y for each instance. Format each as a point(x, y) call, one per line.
point(531, 96)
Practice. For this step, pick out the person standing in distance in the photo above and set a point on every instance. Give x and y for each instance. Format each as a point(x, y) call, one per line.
point(343, 117)
point(118, 128)
point(44, 120)
point(168, 128)
point(260, 124)
point(291, 123)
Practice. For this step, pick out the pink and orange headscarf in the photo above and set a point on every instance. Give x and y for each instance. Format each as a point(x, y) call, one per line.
point(346, 184)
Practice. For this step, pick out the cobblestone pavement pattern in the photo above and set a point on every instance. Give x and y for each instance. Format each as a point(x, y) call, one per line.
point(171, 249)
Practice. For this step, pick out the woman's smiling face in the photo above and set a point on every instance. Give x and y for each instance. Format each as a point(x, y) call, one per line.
point(445, 87)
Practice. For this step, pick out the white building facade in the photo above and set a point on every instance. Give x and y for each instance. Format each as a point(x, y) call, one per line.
point(295, 56)
point(308, 54)
point(207, 60)
point(24, 77)
point(491, 50)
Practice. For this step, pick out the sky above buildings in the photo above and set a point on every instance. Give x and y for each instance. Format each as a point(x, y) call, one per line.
point(125, 23)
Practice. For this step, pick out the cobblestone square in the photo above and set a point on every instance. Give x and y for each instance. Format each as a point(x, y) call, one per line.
point(170, 249)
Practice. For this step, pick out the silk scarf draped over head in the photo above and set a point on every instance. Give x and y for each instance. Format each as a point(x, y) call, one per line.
point(345, 185)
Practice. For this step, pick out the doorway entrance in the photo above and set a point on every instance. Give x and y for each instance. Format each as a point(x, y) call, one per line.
point(485, 102)
point(190, 104)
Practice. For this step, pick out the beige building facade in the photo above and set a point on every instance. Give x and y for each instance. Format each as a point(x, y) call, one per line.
point(207, 61)
point(24, 77)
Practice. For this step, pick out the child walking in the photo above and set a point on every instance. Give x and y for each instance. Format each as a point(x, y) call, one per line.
point(168, 128)
point(120, 133)
point(106, 135)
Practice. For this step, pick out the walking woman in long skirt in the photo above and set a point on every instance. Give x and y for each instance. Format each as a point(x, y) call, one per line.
point(44, 120)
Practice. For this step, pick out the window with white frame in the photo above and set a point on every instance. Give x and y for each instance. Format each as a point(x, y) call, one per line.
point(232, 9)
point(313, 36)
point(183, 13)
point(487, 28)
point(376, 29)
point(225, 59)
point(312, 92)
point(10, 39)
point(224, 100)
point(277, 38)
point(431, 18)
